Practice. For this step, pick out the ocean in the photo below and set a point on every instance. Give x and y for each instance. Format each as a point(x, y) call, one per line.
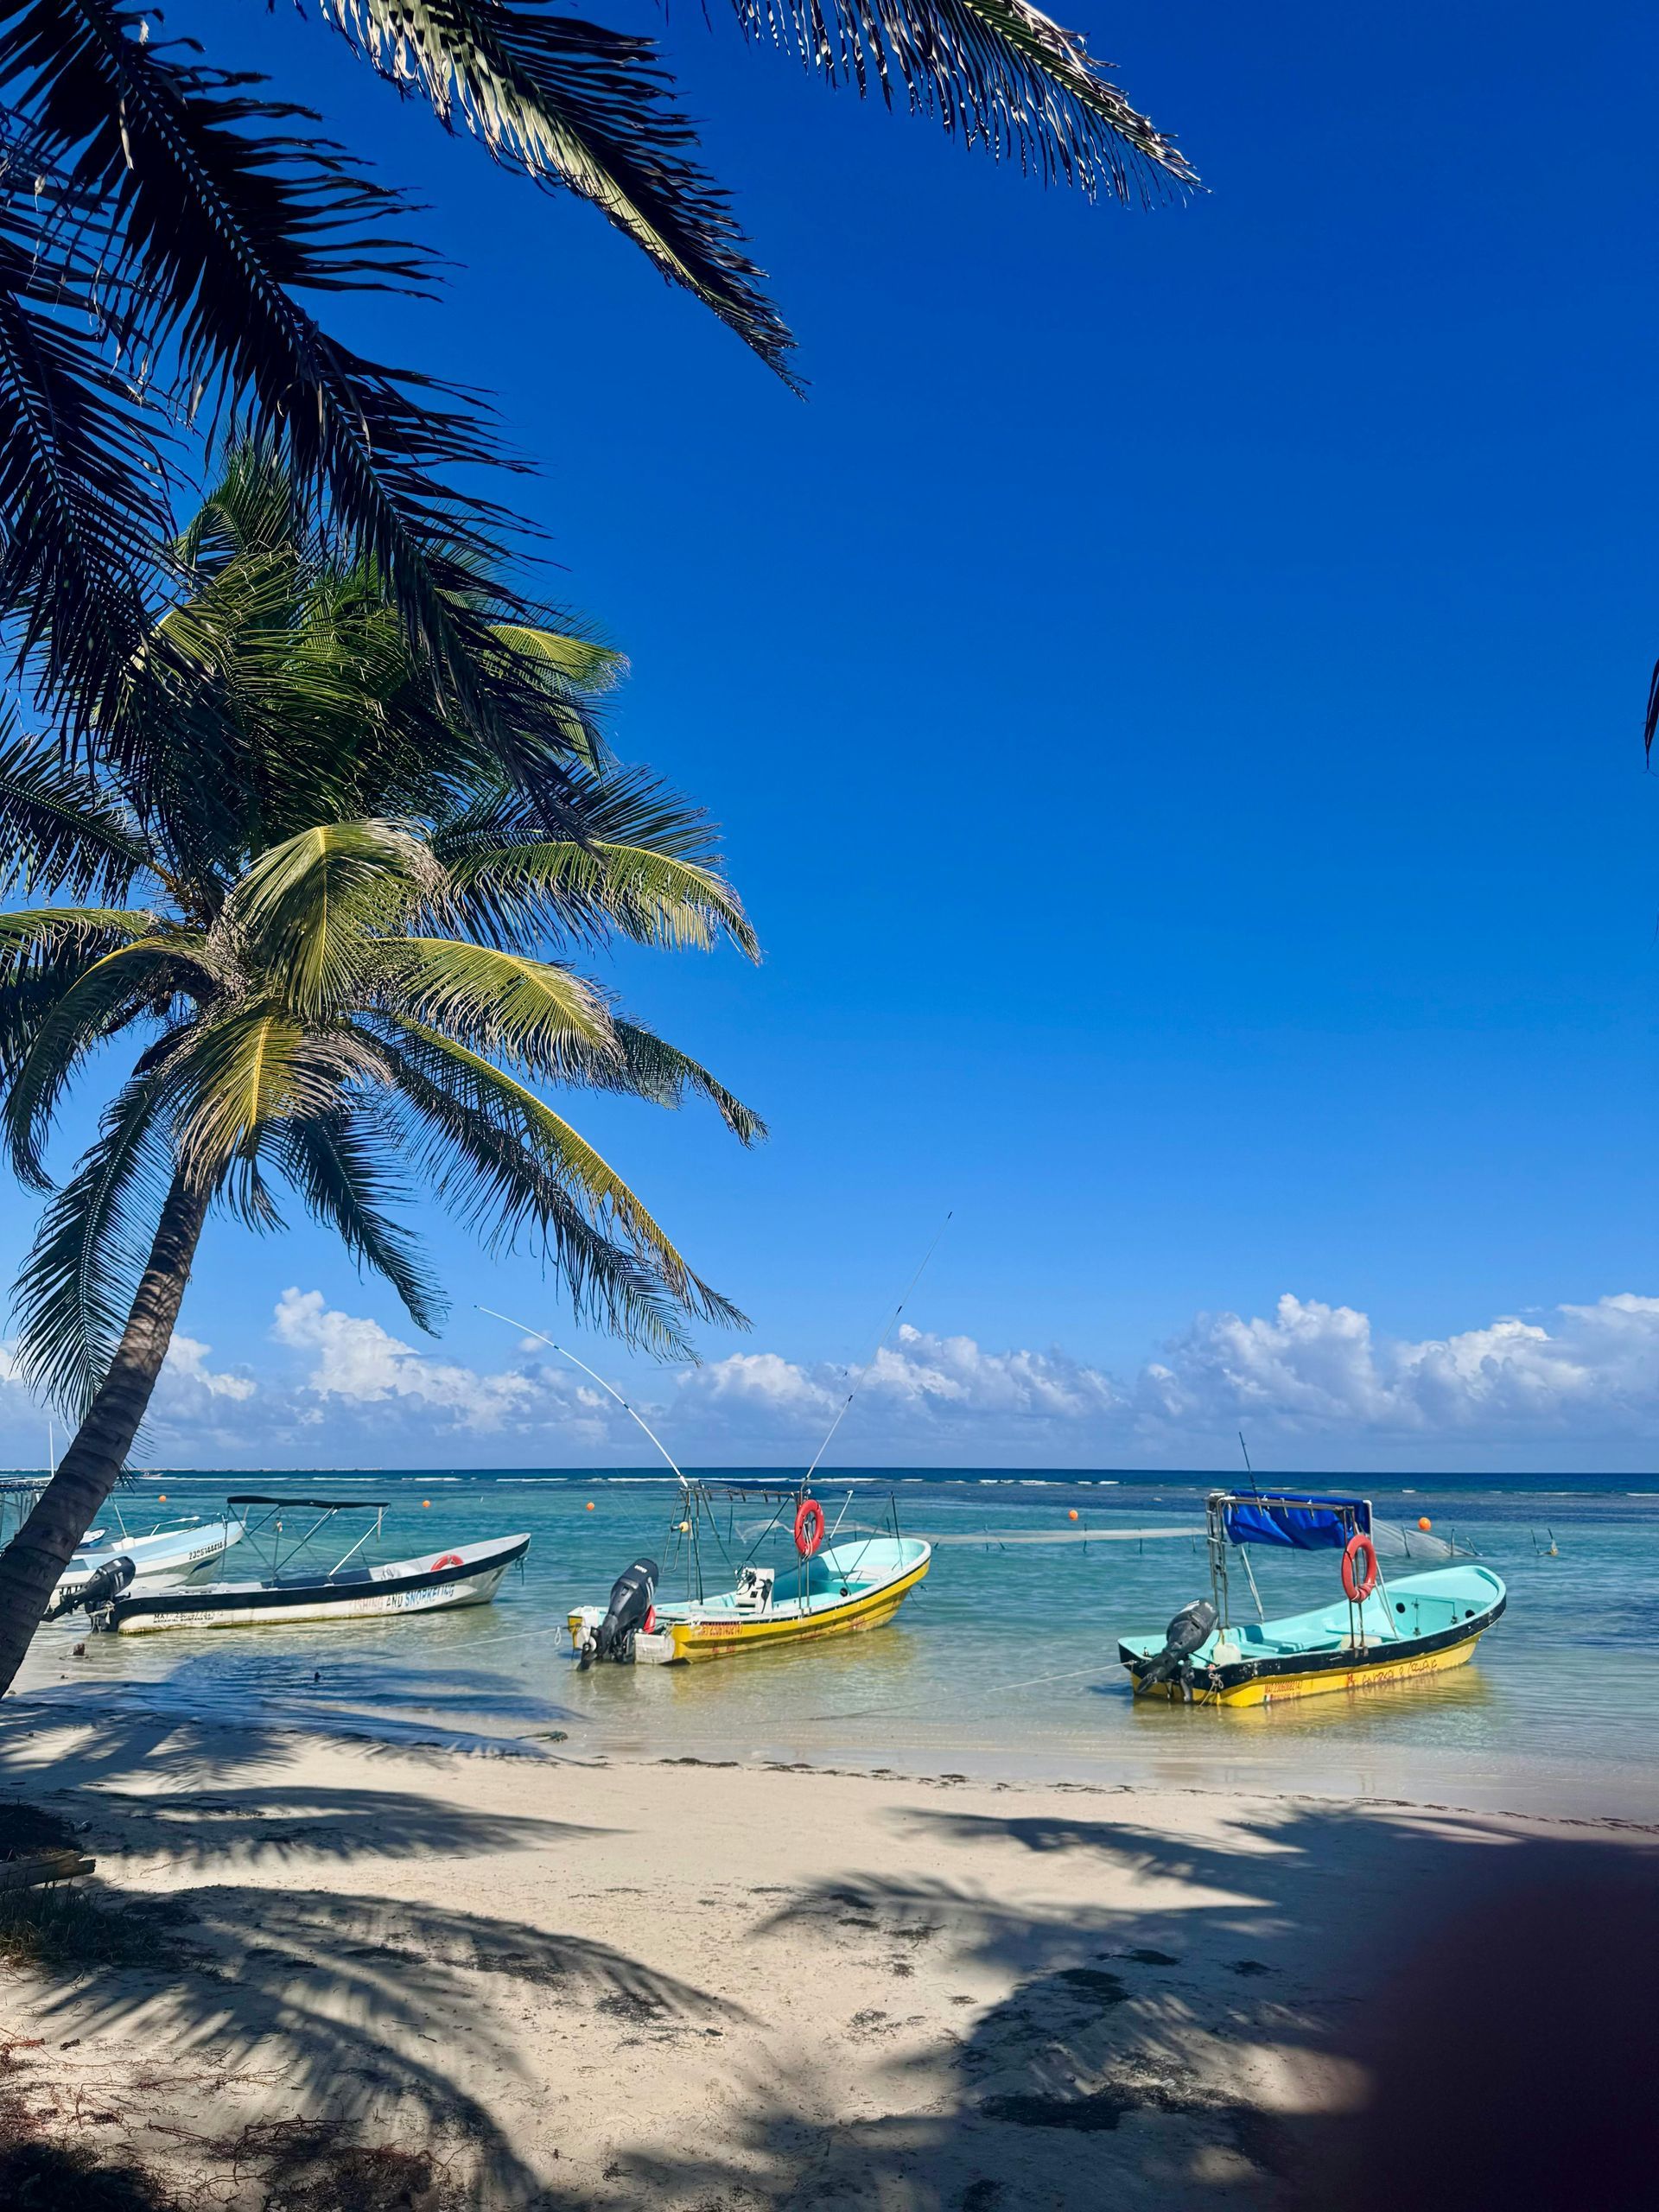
point(1003, 1664)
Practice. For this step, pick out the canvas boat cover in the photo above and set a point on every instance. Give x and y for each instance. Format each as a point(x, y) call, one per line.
point(1294, 1520)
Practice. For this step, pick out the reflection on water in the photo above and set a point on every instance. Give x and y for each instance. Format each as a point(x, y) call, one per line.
point(1005, 1652)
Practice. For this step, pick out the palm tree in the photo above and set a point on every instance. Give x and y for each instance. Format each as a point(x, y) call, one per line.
point(163, 223)
point(317, 935)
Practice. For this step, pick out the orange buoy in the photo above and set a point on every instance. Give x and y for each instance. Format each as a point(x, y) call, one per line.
point(1424, 1522)
point(1072, 1513)
point(161, 1500)
point(425, 1501)
point(590, 1505)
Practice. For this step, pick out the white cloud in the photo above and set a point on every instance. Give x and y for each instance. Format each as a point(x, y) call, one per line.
point(359, 1360)
point(187, 1369)
point(1313, 1384)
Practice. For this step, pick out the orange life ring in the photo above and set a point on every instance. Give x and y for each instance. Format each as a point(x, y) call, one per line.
point(1359, 1547)
point(449, 1559)
point(809, 1526)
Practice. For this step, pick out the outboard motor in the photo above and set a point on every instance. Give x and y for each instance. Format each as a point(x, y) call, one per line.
point(98, 1591)
point(1183, 1637)
point(631, 1596)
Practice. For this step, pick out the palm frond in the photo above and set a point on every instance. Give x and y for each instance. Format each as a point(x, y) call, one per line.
point(76, 1288)
point(658, 1071)
point(342, 1166)
point(500, 1189)
point(81, 485)
point(530, 1011)
point(583, 662)
point(647, 864)
point(137, 978)
point(242, 1073)
point(997, 73)
point(59, 833)
point(223, 212)
point(573, 104)
point(307, 906)
point(443, 1069)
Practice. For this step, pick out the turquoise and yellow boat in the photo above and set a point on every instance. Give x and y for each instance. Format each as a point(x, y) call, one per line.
point(1376, 1634)
point(856, 1580)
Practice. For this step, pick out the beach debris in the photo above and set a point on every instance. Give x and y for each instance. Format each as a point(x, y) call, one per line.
point(37, 1869)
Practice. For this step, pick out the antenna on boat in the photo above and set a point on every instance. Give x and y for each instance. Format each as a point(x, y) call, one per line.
point(634, 1417)
point(858, 1380)
point(1245, 1449)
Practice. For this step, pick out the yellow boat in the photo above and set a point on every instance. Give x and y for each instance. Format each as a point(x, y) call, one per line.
point(858, 1580)
point(1377, 1634)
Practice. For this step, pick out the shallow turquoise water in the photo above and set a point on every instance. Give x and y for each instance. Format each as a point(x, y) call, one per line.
point(1003, 1663)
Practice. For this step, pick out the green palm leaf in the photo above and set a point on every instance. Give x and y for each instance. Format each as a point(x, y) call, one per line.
point(560, 1152)
point(655, 1070)
point(341, 1163)
point(60, 832)
point(243, 1073)
point(308, 907)
point(532, 1011)
point(76, 1287)
point(118, 987)
point(499, 1187)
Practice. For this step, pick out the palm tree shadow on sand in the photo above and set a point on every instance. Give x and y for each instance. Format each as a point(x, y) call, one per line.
point(1308, 2003)
point(1342, 2005)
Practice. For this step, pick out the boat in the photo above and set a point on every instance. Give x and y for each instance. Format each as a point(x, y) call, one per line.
point(1377, 1633)
point(296, 1589)
point(857, 1579)
point(163, 1557)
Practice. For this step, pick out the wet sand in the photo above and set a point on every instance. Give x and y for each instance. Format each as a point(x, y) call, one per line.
point(697, 1987)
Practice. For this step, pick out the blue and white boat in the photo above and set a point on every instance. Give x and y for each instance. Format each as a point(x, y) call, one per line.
point(1378, 1632)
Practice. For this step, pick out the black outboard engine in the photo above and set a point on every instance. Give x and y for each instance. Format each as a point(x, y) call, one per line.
point(1185, 1634)
point(98, 1591)
point(631, 1596)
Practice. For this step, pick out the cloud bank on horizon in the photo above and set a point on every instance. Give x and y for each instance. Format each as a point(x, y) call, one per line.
point(1311, 1384)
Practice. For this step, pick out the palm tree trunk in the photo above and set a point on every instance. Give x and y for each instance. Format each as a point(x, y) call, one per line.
point(37, 1555)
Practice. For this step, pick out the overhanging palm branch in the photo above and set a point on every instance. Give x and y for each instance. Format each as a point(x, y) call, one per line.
point(220, 214)
point(574, 106)
point(571, 103)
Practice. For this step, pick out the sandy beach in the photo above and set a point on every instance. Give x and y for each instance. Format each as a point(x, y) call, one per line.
point(352, 1965)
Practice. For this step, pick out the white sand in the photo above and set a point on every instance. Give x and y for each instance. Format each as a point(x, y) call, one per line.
point(692, 1986)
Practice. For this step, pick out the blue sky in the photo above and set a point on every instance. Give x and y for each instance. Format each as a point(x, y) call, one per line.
point(1172, 693)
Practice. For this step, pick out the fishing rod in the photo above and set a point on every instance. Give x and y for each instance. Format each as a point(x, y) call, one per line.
point(636, 1418)
point(880, 1341)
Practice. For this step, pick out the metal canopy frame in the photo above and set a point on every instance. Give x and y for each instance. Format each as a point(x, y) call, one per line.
point(1354, 1512)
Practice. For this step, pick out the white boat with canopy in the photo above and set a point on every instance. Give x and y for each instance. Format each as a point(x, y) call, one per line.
point(303, 1584)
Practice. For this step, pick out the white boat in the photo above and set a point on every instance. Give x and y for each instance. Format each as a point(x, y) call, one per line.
point(165, 1556)
point(462, 1574)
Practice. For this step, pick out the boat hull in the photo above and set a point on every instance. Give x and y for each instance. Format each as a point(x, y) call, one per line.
point(699, 1639)
point(1379, 1673)
point(408, 1586)
point(1386, 1659)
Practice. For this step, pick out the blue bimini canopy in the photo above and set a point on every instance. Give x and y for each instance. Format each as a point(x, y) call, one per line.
point(1294, 1521)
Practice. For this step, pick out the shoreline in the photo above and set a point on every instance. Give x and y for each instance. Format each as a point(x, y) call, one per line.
point(570, 1979)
